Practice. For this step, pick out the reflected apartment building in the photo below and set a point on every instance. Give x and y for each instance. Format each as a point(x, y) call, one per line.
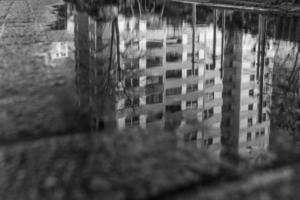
point(60, 35)
point(230, 96)
point(173, 87)
point(179, 75)
point(248, 66)
point(158, 77)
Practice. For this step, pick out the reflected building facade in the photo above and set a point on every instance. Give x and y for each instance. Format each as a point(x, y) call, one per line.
point(177, 81)
point(59, 34)
point(248, 67)
point(95, 55)
point(205, 81)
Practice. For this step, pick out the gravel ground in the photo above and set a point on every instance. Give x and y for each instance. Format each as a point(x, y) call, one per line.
point(35, 98)
point(132, 165)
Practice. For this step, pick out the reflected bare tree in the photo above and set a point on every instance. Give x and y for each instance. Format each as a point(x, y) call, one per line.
point(286, 108)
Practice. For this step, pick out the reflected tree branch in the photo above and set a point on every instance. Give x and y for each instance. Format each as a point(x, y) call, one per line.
point(163, 9)
point(140, 7)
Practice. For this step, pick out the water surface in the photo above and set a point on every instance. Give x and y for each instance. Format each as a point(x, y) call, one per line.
point(220, 80)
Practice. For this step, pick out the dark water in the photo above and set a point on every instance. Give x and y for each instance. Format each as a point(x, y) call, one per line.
point(218, 79)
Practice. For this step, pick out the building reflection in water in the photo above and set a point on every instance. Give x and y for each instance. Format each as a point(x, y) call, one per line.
point(59, 34)
point(205, 78)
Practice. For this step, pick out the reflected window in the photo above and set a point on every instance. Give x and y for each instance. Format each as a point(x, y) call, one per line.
point(154, 80)
point(230, 49)
point(191, 136)
point(266, 75)
point(265, 90)
point(173, 57)
point(251, 93)
point(230, 64)
point(208, 113)
point(132, 120)
point(154, 117)
point(173, 108)
point(265, 104)
point(136, 101)
point(192, 88)
point(132, 102)
point(135, 120)
point(173, 91)
point(61, 22)
point(250, 122)
point(267, 61)
point(226, 108)
point(249, 137)
point(226, 122)
point(227, 93)
point(173, 40)
point(209, 67)
point(132, 82)
point(192, 104)
point(154, 99)
point(190, 56)
point(133, 44)
point(267, 45)
point(154, 62)
point(208, 142)
point(252, 77)
point(132, 64)
point(135, 82)
point(98, 124)
point(262, 133)
point(154, 44)
point(209, 96)
point(264, 118)
point(128, 102)
point(210, 82)
point(257, 135)
point(250, 107)
point(190, 72)
point(223, 140)
point(173, 74)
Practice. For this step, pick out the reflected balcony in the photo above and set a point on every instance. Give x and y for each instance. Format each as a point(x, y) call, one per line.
point(174, 57)
point(154, 44)
point(155, 61)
